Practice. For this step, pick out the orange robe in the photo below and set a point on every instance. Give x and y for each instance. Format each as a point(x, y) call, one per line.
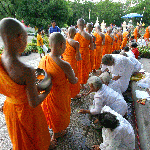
point(83, 65)
point(135, 33)
point(69, 56)
point(105, 50)
point(56, 105)
point(146, 35)
point(115, 44)
point(98, 51)
point(119, 41)
point(91, 60)
point(109, 44)
point(125, 39)
point(26, 125)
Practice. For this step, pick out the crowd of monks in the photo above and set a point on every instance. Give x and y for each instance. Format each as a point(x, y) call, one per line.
point(69, 64)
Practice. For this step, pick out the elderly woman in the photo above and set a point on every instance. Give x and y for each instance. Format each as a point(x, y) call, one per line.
point(106, 79)
point(121, 69)
point(104, 96)
point(117, 132)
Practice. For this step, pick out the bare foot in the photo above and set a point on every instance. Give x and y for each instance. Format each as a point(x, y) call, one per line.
point(53, 144)
point(59, 134)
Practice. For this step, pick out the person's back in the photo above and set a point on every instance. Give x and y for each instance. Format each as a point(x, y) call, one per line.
point(23, 114)
point(57, 104)
point(85, 40)
point(121, 137)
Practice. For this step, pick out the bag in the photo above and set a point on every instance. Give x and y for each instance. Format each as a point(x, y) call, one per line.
point(45, 49)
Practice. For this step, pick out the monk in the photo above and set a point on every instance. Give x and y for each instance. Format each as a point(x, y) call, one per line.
point(24, 117)
point(107, 49)
point(120, 38)
point(115, 43)
point(86, 42)
point(125, 39)
point(56, 105)
point(147, 33)
point(89, 29)
point(136, 32)
point(100, 41)
point(72, 55)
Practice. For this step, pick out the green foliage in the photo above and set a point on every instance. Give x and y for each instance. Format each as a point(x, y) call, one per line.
point(1, 50)
point(144, 51)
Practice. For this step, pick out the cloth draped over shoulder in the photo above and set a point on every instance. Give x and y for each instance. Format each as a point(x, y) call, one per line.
point(83, 65)
point(26, 125)
point(107, 48)
point(69, 56)
point(125, 39)
point(98, 51)
point(119, 41)
point(115, 44)
point(56, 105)
point(146, 35)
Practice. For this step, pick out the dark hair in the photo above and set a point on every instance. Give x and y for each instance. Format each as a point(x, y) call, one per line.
point(107, 59)
point(132, 37)
point(108, 120)
point(52, 21)
point(126, 48)
point(134, 45)
point(116, 52)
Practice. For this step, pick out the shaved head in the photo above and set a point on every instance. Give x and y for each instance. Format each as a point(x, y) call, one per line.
point(89, 26)
point(11, 27)
point(56, 38)
point(98, 27)
point(71, 31)
point(81, 22)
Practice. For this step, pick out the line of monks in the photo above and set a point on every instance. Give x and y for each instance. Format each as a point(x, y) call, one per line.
point(25, 109)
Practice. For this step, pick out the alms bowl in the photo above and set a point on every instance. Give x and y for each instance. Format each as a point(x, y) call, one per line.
point(42, 79)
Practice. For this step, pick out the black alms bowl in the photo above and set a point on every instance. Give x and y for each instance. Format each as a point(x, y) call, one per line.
point(42, 84)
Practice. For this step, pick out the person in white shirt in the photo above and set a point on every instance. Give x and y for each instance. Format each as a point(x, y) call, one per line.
point(120, 67)
point(137, 64)
point(128, 52)
point(106, 79)
point(117, 132)
point(104, 96)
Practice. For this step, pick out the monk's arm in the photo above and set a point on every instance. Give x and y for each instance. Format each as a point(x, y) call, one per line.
point(69, 72)
point(78, 55)
point(33, 96)
point(91, 43)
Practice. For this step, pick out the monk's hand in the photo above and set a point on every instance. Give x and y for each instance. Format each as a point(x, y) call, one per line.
point(82, 111)
point(116, 77)
point(95, 147)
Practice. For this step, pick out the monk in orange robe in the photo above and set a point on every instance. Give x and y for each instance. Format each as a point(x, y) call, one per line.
point(24, 117)
point(126, 36)
point(89, 29)
point(136, 32)
point(100, 41)
point(120, 38)
point(72, 55)
point(147, 33)
point(115, 43)
point(56, 105)
point(108, 42)
point(86, 41)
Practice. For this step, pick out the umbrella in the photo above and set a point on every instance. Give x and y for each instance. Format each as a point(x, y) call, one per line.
point(131, 15)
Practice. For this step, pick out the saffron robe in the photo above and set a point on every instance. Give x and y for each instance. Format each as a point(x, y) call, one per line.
point(125, 39)
point(26, 125)
point(69, 56)
point(91, 60)
point(98, 51)
point(56, 105)
point(115, 44)
point(135, 33)
point(118, 42)
point(109, 44)
point(83, 65)
point(105, 50)
point(146, 35)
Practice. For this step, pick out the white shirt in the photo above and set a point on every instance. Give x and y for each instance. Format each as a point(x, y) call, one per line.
point(122, 67)
point(137, 64)
point(121, 138)
point(109, 97)
point(130, 54)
